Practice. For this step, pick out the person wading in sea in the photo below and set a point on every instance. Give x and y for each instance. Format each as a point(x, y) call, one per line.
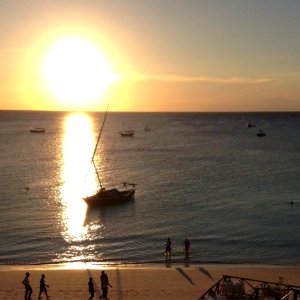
point(187, 246)
point(168, 247)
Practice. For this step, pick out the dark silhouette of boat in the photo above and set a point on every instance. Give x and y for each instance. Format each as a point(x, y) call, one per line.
point(250, 125)
point(113, 196)
point(109, 197)
point(37, 130)
point(260, 133)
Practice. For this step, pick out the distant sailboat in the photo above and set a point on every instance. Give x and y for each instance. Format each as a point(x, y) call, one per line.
point(105, 197)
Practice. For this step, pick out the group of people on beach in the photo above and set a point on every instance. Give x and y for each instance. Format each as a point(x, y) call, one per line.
point(43, 287)
point(168, 251)
point(103, 278)
point(28, 288)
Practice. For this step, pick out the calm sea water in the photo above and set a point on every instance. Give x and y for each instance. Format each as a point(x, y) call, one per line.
point(205, 176)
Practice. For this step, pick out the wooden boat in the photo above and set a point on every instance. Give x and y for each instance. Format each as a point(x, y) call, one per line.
point(113, 196)
point(127, 133)
point(37, 130)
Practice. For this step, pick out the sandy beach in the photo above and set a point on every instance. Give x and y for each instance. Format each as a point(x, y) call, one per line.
point(135, 282)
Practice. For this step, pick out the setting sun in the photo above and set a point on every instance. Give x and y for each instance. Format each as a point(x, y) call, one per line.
point(76, 71)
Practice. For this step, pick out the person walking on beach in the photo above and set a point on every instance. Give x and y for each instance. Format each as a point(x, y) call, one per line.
point(43, 287)
point(168, 247)
point(28, 289)
point(104, 285)
point(91, 288)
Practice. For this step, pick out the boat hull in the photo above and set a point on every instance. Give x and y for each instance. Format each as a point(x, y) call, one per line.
point(260, 133)
point(109, 197)
point(37, 130)
point(127, 133)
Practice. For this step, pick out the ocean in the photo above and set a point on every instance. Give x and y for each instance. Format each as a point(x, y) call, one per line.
point(205, 176)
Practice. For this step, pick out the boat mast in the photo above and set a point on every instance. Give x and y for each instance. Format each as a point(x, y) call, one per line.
point(98, 139)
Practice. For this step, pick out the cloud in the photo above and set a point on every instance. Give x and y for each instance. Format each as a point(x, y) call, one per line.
point(218, 80)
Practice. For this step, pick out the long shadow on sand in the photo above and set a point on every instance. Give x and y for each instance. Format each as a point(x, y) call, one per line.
point(187, 277)
point(205, 272)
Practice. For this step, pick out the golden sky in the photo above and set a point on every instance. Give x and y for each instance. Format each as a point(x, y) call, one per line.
point(169, 55)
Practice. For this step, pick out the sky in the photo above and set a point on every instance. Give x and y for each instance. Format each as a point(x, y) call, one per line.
point(158, 55)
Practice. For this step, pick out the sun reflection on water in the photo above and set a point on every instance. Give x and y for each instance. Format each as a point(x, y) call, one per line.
point(78, 145)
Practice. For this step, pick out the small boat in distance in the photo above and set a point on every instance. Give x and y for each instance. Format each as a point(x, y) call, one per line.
point(260, 133)
point(113, 196)
point(250, 125)
point(37, 129)
point(127, 133)
point(147, 128)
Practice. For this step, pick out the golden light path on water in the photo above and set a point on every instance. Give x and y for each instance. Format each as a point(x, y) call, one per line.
point(78, 180)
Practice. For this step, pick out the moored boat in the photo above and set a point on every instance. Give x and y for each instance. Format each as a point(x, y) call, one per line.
point(147, 128)
point(37, 129)
point(113, 196)
point(109, 197)
point(260, 133)
point(250, 125)
point(127, 133)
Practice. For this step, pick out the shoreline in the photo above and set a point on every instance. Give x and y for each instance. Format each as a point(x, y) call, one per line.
point(167, 265)
point(136, 282)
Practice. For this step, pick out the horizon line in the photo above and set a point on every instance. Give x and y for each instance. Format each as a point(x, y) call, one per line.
point(117, 111)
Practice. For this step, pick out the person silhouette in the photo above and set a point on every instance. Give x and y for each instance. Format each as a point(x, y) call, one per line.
point(28, 289)
point(104, 285)
point(91, 288)
point(43, 287)
point(187, 245)
point(168, 247)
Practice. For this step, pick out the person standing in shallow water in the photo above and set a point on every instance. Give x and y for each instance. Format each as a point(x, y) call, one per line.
point(168, 247)
point(91, 288)
point(43, 287)
point(187, 245)
point(28, 289)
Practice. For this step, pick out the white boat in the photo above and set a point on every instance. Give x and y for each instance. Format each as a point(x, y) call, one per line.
point(113, 196)
point(147, 128)
point(127, 133)
point(37, 129)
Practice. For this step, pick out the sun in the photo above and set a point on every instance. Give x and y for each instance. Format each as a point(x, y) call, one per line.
point(76, 71)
